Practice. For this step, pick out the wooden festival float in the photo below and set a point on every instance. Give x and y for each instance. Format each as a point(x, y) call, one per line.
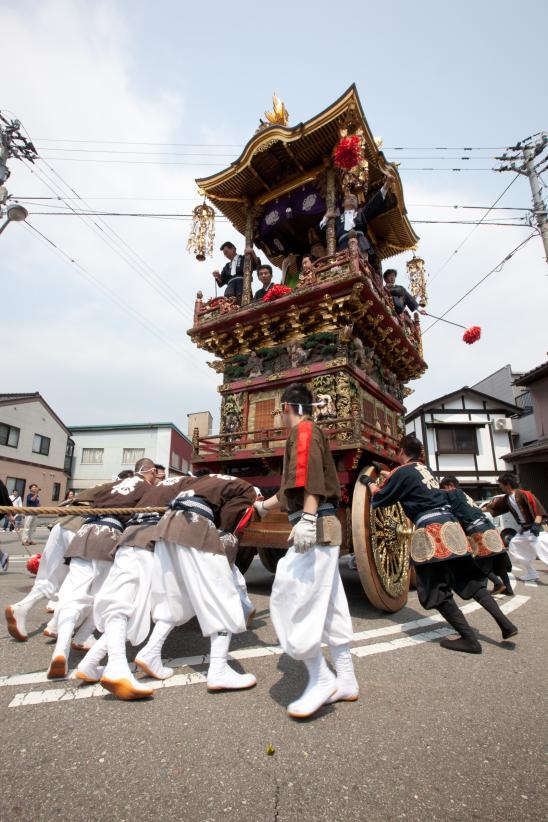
point(336, 330)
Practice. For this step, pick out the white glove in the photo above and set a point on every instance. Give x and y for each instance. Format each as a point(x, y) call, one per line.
point(303, 534)
point(260, 509)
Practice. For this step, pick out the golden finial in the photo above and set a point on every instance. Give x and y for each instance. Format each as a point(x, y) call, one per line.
point(280, 115)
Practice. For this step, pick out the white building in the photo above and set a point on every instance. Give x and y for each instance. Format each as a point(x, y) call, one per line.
point(466, 433)
point(102, 451)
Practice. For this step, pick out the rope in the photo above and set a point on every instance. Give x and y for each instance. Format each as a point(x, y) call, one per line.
point(79, 511)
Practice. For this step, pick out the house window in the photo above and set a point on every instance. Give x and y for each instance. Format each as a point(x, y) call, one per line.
point(40, 445)
point(56, 493)
point(175, 460)
point(263, 416)
point(92, 456)
point(458, 439)
point(15, 484)
point(131, 455)
point(9, 435)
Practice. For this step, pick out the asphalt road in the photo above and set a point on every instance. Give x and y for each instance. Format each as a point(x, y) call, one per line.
point(435, 735)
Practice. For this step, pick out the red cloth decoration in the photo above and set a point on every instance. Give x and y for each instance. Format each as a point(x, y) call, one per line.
point(348, 152)
point(275, 292)
point(472, 334)
point(33, 563)
point(304, 441)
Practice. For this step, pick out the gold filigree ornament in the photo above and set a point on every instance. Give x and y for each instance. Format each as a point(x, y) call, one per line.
point(202, 232)
point(416, 271)
point(389, 541)
point(279, 116)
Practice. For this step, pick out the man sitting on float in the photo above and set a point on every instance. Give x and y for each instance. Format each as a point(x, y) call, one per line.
point(401, 297)
point(357, 219)
point(232, 274)
point(264, 274)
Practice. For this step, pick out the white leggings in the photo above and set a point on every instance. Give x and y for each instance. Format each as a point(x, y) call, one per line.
point(308, 604)
point(525, 548)
point(187, 582)
point(126, 592)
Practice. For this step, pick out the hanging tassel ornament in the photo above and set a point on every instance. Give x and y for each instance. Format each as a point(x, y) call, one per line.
point(202, 233)
point(416, 271)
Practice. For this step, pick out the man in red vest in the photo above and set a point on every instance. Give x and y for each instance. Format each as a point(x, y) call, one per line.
point(532, 541)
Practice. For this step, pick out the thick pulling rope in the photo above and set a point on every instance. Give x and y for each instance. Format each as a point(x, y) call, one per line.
point(79, 511)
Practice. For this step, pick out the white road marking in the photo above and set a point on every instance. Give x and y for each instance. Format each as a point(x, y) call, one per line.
point(72, 691)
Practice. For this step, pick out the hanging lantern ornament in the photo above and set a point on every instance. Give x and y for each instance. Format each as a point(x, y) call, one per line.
point(202, 233)
point(416, 271)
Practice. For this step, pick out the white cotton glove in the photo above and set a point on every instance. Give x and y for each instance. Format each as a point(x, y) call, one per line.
point(260, 509)
point(303, 534)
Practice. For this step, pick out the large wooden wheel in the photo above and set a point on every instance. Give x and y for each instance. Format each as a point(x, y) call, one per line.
point(381, 547)
point(270, 557)
point(244, 558)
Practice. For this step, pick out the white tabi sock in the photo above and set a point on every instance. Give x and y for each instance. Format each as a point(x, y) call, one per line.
point(58, 668)
point(90, 669)
point(220, 676)
point(83, 638)
point(149, 658)
point(117, 678)
point(321, 685)
point(347, 684)
point(16, 615)
point(115, 633)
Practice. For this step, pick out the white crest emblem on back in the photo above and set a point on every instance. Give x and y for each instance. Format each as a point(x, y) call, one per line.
point(126, 486)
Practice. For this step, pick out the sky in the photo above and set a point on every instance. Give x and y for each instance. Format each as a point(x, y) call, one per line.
point(98, 324)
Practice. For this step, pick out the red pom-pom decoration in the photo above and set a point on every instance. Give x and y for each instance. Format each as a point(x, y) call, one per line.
point(33, 563)
point(348, 152)
point(275, 292)
point(472, 334)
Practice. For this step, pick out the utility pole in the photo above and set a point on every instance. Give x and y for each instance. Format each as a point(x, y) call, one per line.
point(523, 159)
point(13, 144)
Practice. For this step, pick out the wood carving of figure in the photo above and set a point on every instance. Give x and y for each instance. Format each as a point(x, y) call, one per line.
point(328, 409)
point(296, 353)
point(232, 424)
point(359, 356)
point(345, 333)
point(254, 367)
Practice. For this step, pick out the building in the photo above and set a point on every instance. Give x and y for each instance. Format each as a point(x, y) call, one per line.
point(201, 420)
point(531, 460)
point(35, 447)
point(102, 451)
point(505, 384)
point(466, 433)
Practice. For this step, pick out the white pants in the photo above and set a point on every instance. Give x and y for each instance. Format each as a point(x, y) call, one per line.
point(28, 529)
point(126, 592)
point(52, 569)
point(308, 604)
point(82, 584)
point(525, 548)
point(187, 582)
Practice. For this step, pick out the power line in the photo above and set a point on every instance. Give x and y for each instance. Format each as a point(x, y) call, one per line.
point(215, 165)
point(458, 248)
point(114, 244)
point(177, 216)
point(105, 289)
point(498, 267)
point(241, 145)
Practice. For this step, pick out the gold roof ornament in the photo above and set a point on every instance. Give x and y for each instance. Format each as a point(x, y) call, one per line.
point(279, 116)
